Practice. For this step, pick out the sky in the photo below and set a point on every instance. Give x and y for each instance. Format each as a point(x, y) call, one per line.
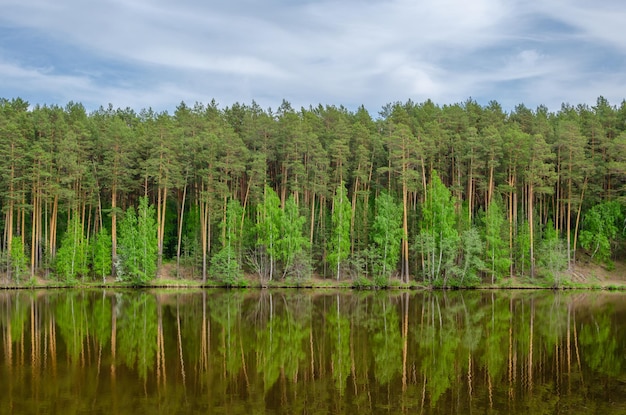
point(158, 53)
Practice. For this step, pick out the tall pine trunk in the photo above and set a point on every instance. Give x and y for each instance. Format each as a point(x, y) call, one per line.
point(181, 217)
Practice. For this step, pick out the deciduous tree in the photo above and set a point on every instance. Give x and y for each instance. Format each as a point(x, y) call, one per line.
point(339, 242)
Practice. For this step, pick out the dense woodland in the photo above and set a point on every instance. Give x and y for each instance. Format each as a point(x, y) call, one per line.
point(449, 195)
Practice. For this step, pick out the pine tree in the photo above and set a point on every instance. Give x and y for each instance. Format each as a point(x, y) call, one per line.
point(573, 171)
point(404, 158)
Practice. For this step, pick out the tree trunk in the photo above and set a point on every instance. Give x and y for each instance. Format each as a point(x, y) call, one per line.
point(180, 230)
point(531, 229)
point(577, 225)
point(161, 209)
point(405, 233)
point(113, 229)
point(353, 215)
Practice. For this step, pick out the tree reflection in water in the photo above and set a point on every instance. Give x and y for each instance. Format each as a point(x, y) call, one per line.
point(307, 352)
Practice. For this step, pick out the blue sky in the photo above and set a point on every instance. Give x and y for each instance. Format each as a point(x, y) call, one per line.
point(157, 53)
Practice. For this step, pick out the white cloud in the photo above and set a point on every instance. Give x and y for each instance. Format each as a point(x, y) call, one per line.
point(157, 53)
point(595, 21)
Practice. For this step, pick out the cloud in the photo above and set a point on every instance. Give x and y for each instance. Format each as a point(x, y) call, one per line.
point(601, 22)
point(157, 53)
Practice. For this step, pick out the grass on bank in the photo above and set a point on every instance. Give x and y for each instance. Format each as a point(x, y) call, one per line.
point(587, 276)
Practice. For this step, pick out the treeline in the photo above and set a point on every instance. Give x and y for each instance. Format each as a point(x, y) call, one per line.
point(448, 195)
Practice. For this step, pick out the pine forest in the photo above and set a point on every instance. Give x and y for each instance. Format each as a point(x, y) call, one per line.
point(442, 196)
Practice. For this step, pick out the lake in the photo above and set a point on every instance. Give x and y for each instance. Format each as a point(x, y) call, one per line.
point(312, 352)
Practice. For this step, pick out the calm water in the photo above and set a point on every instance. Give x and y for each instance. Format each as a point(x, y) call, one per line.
point(123, 352)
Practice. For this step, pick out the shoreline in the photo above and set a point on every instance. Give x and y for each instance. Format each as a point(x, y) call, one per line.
point(316, 284)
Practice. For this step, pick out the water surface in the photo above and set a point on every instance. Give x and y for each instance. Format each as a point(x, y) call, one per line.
point(284, 352)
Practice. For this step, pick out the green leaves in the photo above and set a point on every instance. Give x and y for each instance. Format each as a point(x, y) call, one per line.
point(438, 241)
point(225, 265)
point(601, 227)
point(552, 255)
point(138, 244)
point(71, 259)
point(269, 223)
point(292, 242)
point(497, 253)
point(279, 238)
point(102, 254)
point(339, 243)
point(284, 169)
point(386, 234)
point(17, 259)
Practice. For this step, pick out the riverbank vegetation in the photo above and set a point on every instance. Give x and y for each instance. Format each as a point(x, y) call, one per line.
point(440, 196)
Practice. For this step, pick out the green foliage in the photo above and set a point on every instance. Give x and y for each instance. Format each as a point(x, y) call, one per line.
point(225, 264)
point(128, 249)
point(362, 283)
point(101, 254)
point(196, 160)
point(17, 259)
point(602, 226)
point(339, 242)
point(280, 237)
point(552, 255)
point(269, 223)
point(71, 258)
point(522, 248)
point(231, 225)
point(225, 267)
point(138, 247)
point(386, 235)
point(496, 256)
point(438, 240)
point(292, 242)
point(471, 262)
point(300, 268)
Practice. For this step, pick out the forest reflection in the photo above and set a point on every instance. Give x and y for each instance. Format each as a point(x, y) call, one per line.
point(312, 352)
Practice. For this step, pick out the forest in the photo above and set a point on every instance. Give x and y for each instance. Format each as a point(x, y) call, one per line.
point(444, 196)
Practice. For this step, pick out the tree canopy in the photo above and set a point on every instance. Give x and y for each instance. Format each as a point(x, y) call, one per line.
point(299, 187)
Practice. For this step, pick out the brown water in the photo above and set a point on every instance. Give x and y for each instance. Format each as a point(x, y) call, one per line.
point(303, 352)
